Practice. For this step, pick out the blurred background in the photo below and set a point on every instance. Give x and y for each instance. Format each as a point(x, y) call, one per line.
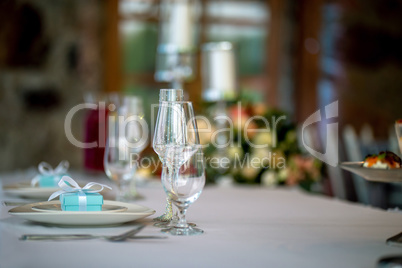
point(293, 55)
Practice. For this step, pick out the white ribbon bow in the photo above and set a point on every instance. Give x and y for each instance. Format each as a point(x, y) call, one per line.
point(47, 170)
point(68, 185)
point(71, 187)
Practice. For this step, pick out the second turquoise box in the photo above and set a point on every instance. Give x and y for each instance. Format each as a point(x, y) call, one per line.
point(49, 180)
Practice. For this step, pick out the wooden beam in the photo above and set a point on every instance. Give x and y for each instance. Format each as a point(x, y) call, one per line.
point(112, 67)
point(308, 58)
point(274, 49)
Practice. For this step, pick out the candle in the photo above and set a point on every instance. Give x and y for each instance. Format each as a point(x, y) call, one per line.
point(218, 71)
point(180, 25)
point(177, 25)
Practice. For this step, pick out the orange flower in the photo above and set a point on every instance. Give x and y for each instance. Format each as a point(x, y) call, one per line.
point(259, 109)
point(239, 116)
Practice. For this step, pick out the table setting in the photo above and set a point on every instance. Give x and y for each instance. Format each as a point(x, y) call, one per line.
point(46, 179)
point(189, 213)
point(175, 141)
point(242, 226)
point(230, 225)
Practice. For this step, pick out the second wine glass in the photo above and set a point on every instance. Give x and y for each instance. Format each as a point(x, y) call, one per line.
point(127, 137)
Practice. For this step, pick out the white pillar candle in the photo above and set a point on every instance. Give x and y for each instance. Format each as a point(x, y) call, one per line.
point(218, 71)
point(180, 25)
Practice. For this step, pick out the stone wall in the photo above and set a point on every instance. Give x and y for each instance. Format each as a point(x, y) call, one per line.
point(50, 56)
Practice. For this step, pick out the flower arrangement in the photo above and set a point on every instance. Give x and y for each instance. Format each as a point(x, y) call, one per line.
point(251, 144)
point(260, 147)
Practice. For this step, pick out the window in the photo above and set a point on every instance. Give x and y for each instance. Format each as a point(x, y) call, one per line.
point(244, 23)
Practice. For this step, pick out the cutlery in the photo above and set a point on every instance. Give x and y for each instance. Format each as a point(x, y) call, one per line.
point(113, 238)
point(74, 237)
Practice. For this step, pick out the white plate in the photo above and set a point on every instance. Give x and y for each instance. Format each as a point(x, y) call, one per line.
point(51, 207)
point(83, 218)
point(24, 189)
point(373, 174)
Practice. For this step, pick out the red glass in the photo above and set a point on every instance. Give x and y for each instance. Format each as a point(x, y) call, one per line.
point(95, 131)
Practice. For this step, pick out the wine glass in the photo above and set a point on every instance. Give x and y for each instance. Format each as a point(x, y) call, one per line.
point(184, 189)
point(175, 138)
point(167, 95)
point(127, 138)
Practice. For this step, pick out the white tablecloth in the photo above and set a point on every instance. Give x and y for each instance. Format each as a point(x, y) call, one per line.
point(244, 227)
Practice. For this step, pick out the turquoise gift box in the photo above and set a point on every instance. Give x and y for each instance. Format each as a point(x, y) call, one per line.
point(70, 201)
point(50, 180)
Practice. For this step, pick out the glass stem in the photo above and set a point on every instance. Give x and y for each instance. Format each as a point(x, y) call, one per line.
point(175, 175)
point(182, 219)
point(132, 183)
point(119, 193)
point(175, 217)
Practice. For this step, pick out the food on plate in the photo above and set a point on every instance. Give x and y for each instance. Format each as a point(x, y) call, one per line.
point(384, 160)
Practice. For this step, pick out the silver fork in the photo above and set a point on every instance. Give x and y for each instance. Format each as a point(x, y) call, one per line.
point(113, 238)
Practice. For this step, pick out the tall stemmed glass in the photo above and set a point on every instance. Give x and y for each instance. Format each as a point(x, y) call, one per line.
point(176, 136)
point(168, 95)
point(184, 189)
point(127, 137)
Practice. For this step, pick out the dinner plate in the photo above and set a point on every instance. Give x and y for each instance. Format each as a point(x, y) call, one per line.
point(24, 189)
point(373, 174)
point(49, 207)
point(83, 218)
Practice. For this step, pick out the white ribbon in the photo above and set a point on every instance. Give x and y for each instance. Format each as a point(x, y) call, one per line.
point(68, 185)
point(45, 169)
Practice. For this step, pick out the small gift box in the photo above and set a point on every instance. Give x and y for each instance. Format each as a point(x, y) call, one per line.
point(71, 201)
point(49, 181)
point(49, 177)
point(75, 198)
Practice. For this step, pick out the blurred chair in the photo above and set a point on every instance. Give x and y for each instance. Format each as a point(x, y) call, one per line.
point(354, 153)
point(366, 137)
point(395, 196)
point(369, 144)
point(313, 138)
point(338, 183)
point(393, 145)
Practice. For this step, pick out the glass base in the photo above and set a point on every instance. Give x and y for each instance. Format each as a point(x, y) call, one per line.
point(170, 224)
point(183, 231)
point(162, 224)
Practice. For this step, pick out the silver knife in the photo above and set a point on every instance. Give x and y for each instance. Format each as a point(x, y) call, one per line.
point(114, 238)
point(80, 237)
